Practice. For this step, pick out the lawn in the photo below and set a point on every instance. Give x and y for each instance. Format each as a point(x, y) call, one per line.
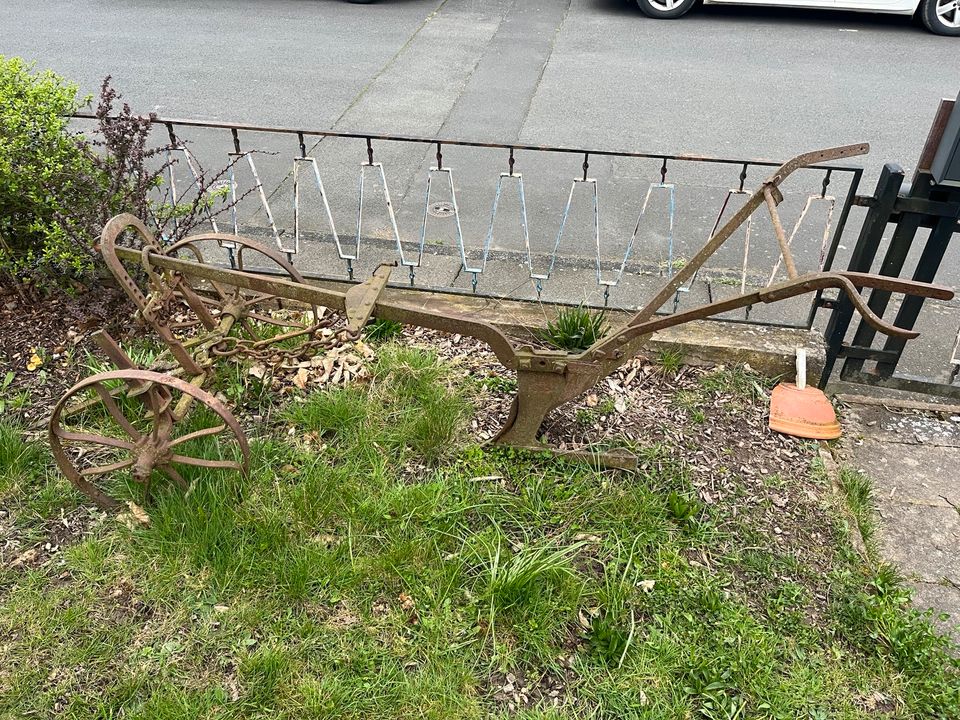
point(377, 562)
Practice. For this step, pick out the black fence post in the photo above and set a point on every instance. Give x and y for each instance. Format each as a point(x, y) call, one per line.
point(864, 253)
point(926, 271)
point(892, 266)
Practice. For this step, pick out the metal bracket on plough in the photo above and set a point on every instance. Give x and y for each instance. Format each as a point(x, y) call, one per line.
point(228, 312)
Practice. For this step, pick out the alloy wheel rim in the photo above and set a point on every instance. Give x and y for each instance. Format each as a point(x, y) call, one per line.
point(664, 5)
point(948, 12)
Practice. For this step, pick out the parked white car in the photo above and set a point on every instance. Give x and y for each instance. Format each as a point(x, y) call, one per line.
point(940, 16)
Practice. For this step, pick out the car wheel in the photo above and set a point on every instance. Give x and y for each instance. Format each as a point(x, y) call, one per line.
point(665, 9)
point(941, 16)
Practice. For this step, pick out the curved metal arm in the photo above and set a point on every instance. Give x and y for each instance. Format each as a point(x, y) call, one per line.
point(821, 281)
point(753, 202)
point(846, 282)
point(114, 228)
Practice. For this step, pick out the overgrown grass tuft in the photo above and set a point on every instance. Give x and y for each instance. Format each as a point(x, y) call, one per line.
point(19, 458)
point(669, 360)
point(574, 328)
point(737, 381)
point(411, 406)
point(380, 329)
point(338, 412)
point(858, 493)
point(512, 579)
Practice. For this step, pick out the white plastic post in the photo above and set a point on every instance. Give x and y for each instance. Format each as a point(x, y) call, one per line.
point(801, 368)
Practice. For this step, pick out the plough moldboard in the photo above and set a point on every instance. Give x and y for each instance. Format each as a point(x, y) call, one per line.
point(203, 312)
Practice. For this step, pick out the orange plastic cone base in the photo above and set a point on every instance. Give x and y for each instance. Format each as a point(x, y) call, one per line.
point(803, 413)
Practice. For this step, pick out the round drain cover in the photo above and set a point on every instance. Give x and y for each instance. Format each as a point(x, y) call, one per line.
point(441, 209)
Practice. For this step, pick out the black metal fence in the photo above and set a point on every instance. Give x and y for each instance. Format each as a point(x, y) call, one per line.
point(924, 217)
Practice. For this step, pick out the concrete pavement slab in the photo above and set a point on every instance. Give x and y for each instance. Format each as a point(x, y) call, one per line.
point(943, 598)
point(921, 539)
point(911, 458)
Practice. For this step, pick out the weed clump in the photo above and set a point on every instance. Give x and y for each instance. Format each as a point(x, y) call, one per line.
point(380, 329)
point(574, 328)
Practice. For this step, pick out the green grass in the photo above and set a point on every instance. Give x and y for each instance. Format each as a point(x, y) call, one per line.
point(858, 493)
point(669, 360)
point(18, 456)
point(574, 328)
point(375, 564)
point(382, 329)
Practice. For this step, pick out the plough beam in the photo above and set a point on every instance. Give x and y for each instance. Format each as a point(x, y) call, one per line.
point(227, 304)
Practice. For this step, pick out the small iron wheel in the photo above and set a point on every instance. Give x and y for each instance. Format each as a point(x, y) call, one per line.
point(253, 309)
point(133, 429)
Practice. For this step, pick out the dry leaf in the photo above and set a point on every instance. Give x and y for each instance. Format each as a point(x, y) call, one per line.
point(24, 558)
point(138, 513)
point(406, 602)
point(300, 379)
point(327, 369)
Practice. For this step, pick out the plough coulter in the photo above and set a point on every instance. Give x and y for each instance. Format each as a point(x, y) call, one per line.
point(262, 308)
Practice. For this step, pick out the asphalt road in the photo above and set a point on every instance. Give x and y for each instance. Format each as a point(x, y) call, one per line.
point(742, 82)
point(728, 81)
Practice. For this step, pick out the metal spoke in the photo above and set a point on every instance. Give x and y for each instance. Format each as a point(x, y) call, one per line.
point(155, 411)
point(248, 326)
point(101, 469)
point(115, 412)
point(200, 462)
point(94, 439)
point(197, 434)
point(257, 299)
point(175, 476)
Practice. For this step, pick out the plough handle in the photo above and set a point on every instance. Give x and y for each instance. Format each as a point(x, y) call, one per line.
point(740, 217)
point(849, 283)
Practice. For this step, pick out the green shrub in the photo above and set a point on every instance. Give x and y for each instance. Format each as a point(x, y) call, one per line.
point(39, 162)
point(58, 189)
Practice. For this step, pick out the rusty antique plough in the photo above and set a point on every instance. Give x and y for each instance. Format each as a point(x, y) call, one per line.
point(230, 312)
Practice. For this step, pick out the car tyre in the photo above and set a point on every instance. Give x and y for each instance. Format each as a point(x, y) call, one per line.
point(941, 16)
point(665, 9)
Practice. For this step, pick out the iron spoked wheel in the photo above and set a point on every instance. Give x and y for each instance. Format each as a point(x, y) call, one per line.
point(255, 312)
point(140, 430)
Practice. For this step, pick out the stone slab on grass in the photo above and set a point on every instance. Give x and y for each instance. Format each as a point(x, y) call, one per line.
point(921, 539)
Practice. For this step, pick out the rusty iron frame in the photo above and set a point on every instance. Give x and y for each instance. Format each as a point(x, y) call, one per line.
point(225, 302)
point(545, 378)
